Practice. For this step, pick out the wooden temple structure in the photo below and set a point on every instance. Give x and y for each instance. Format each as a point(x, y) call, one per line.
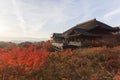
point(91, 33)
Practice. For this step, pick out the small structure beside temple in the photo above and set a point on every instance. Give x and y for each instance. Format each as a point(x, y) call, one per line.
point(91, 33)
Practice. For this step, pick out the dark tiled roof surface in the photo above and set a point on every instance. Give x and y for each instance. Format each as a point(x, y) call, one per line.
point(84, 27)
point(89, 25)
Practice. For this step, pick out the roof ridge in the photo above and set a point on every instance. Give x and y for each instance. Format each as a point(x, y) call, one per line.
point(94, 19)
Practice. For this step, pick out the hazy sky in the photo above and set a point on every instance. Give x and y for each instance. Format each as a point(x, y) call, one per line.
point(40, 18)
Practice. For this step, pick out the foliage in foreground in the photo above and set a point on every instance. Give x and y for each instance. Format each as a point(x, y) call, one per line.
point(30, 61)
point(85, 64)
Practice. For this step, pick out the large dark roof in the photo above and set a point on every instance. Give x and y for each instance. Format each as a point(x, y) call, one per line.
point(85, 27)
point(89, 25)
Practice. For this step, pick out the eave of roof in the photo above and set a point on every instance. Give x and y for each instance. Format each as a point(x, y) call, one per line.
point(79, 32)
point(58, 35)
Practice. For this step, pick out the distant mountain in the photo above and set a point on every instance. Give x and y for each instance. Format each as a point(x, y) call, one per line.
point(19, 40)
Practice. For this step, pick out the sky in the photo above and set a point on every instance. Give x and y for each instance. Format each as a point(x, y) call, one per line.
point(41, 18)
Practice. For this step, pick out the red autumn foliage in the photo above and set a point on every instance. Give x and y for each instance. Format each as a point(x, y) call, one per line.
point(25, 59)
point(36, 61)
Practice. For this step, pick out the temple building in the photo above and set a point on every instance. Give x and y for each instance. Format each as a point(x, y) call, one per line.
point(91, 33)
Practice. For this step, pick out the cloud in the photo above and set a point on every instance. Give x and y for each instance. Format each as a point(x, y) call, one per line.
point(111, 14)
point(46, 14)
point(19, 15)
point(40, 18)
